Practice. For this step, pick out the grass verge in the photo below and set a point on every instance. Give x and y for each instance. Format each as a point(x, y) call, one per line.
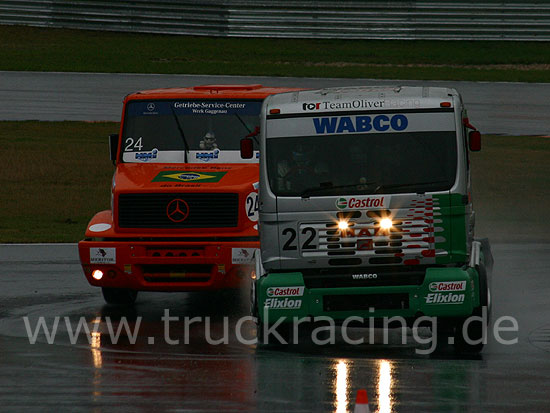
point(57, 175)
point(46, 49)
point(510, 186)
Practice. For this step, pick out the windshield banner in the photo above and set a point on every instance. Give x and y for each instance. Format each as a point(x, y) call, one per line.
point(371, 123)
point(194, 107)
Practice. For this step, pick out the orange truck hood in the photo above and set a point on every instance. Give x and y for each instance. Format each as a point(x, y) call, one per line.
point(138, 177)
point(150, 178)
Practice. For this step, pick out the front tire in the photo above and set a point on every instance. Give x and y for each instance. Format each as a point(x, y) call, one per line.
point(119, 296)
point(284, 330)
point(476, 330)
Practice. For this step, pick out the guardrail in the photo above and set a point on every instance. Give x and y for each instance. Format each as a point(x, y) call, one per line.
point(319, 19)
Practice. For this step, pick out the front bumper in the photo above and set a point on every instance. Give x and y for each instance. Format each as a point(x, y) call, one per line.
point(167, 265)
point(447, 292)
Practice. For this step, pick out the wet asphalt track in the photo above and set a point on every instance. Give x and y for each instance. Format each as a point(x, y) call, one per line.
point(46, 281)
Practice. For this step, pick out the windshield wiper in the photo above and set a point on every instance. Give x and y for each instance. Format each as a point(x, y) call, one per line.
point(251, 134)
point(329, 186)
point(413, 184)
point(185, 144)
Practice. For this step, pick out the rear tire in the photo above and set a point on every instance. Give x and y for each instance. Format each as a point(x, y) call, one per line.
point(119, 296)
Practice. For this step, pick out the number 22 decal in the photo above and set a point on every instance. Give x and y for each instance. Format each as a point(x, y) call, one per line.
point(290, 244)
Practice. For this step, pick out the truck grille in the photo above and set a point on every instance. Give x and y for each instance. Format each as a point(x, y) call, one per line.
point(411, 240)
point(197, 211)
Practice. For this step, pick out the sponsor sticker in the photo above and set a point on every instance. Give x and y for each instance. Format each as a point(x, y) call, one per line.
point(207, 156)
point(285, 291)
point(449, 298)
point(358, 124)
point(354, 104)
point(283, 304)
point(147, 156)
point(189, 176)
point(447, 286)
point(102, 255)
point(194, 107)
point(242, 255)
point(371, 276)
point(363, 202)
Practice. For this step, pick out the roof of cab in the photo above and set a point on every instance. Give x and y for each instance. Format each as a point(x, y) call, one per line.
point(392, 96)
point(253, 91)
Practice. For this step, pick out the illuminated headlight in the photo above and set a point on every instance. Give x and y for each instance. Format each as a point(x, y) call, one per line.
point(343, 225)
point(97, 274)
point(386, 223)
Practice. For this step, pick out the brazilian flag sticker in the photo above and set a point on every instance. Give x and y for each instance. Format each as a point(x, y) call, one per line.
point(188, 176)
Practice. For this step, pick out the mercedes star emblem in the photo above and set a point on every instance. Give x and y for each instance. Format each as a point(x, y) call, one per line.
point(177, 210)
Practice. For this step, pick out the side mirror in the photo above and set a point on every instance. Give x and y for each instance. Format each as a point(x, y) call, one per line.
point(247, 148)
point(474, 140)
point(113, 147)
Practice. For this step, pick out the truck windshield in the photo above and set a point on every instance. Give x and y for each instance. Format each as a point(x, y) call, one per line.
point(362, 163)
point(194, 131)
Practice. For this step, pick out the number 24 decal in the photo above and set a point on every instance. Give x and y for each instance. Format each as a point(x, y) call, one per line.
point(290, 244)
point(251, 206)
point(133, 146)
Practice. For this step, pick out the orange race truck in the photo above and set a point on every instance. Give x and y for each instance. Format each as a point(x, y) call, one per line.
point(184, 195)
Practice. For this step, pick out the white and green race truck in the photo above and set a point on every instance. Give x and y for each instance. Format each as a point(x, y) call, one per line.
point(366, 210)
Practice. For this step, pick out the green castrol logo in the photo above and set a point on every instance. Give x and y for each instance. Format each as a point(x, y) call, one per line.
point(341, 203)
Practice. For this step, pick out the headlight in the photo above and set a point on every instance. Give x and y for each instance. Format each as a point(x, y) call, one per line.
point(97, 274)
point(343, 225)
point(386, 223)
